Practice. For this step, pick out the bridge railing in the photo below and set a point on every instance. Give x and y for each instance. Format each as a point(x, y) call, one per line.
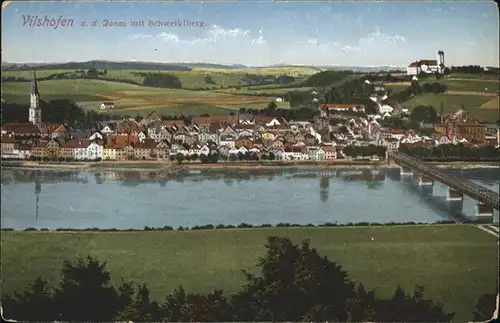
point(454, 182)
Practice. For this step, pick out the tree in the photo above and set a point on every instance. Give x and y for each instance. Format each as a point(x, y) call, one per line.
point(84, 294)
point(272, 106)
point(485, 307)
point(35, 304)
point(92, 73)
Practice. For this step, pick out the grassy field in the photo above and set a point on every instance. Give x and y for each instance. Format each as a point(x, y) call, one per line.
point(472, 76)
point(453, 102)
point(455, 263)
point(132, 99)
point(493, 104)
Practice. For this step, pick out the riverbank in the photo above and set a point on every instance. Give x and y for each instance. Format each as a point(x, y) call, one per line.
point(149, 166)
point(381, 257)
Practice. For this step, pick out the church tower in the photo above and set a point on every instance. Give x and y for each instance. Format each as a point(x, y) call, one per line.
point(35, 112)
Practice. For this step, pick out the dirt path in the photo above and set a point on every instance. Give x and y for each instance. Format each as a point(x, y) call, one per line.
point(471, 93)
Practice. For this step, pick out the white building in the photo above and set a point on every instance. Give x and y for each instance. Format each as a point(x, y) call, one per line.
point(427, 66)
point(107, 105)
point(94, 151)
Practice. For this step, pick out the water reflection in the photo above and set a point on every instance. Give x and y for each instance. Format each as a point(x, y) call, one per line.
point(344, 185)
point(324, 185)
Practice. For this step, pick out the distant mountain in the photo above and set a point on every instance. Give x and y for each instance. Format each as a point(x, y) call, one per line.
point(135, 65)
point(130, 65)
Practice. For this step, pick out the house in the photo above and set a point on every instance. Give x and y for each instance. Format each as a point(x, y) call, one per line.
point(278, 153)
point(54, 130)
point(385, 108)
point(229, 142)
point(326, 109)
point(79, 135)
point(191, 139)
point(316, 153)
point(152, 118)
point(39, 150)
point(194, 150)
point(243, 142)
point(224, 150)
point(183, 149)
point(142, 150)
point(330, 152)
point(205, 137)
point(75, 148)
point(296, 153)
point(242, 150)
point(228, 131)
point(25, 151)
point(107, 105)
point(109, 153)
point(96, 136)
point(289, 137)
point(94, 151)
point(277, 144)
point(52, 148)
point(142, 136)
point(444, 140)
point(204, 150)
point(233, 151)
point(9, 147)
point(25, 132)
point(108, 130)
point(267, 135)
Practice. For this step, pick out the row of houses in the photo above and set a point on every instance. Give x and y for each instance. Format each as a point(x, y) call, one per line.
point(85, 149)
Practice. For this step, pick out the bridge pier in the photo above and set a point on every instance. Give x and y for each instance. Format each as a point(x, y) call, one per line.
point(406, 171)
point(424, 180)
point(483, 209)
point(453, 195)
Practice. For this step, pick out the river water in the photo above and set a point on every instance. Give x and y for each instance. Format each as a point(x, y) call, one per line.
point(123, 200)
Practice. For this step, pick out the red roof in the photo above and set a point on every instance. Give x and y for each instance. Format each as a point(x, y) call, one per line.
point(428, 62)
point(76, 143)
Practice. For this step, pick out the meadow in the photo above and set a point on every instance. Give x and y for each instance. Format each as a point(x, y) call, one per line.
point(475, 92)
point(453, 102)
point(132, 99)
point(455, 263)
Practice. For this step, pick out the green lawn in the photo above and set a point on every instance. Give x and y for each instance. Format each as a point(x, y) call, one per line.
point(455, 263)
point(453, 102)
point(473, 85)
point(472, 76)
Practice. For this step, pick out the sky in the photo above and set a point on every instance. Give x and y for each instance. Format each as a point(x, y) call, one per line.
point(255, 33)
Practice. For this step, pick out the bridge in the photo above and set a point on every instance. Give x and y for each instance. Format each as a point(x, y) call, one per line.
point(458, 187)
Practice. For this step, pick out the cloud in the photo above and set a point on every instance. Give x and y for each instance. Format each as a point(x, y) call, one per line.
point(215, 43)
point(215, 35)
point(139, 36)
point(377, 38)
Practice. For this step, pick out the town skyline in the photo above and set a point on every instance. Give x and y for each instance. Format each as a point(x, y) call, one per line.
point(291, 33)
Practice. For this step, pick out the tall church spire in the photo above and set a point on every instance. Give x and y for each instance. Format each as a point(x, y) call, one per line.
point(35, 112)
point(34, 85)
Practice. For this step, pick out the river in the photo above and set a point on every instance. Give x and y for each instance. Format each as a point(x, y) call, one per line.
point(124, 200)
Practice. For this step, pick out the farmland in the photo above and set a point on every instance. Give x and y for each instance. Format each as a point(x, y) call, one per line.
point(453, 102)
point(131, 99)
point(227, 93)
